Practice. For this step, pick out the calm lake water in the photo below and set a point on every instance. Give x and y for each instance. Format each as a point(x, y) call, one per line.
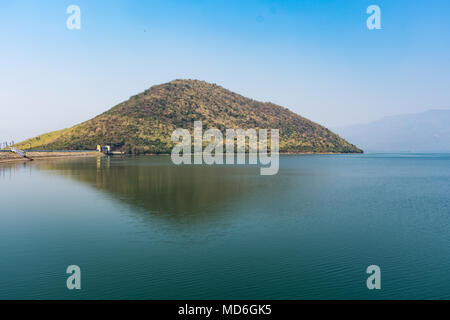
point(142, 228)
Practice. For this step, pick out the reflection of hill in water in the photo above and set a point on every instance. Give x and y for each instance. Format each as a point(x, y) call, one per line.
point(158, 186)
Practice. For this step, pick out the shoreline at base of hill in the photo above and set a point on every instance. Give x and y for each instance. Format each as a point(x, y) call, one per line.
point(7, 157)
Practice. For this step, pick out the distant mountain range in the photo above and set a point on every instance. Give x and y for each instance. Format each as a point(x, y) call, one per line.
point(145, 122)
point(420, 132)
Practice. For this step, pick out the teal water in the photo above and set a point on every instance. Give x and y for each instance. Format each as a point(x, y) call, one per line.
point(142, 228)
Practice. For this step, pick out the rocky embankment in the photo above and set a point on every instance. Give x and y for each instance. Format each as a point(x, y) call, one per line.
point(11, 156)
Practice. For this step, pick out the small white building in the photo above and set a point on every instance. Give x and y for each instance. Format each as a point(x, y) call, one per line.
point(104, 149)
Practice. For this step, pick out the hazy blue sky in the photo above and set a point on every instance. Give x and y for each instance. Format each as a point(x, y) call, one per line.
point(315, 57)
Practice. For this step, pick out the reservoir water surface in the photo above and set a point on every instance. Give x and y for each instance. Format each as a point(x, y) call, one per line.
point(143, 228)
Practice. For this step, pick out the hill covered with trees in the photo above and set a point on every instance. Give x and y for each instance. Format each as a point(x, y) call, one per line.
point(145, 122)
